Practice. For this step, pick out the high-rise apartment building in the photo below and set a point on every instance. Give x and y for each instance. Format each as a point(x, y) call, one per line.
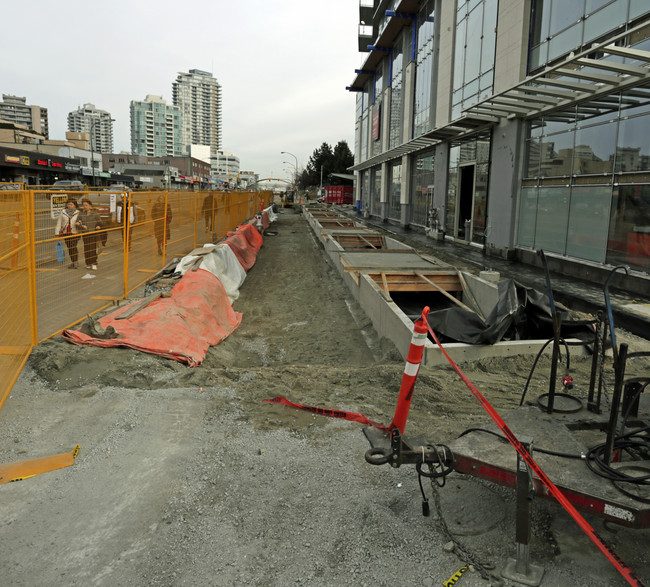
point(15, 109)
point(509, 126)
point(156, 128)
point(97, 123)
point(198, 95)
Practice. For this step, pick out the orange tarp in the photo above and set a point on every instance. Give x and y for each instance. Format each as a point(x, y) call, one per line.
point(245, 242)
point(182, 327)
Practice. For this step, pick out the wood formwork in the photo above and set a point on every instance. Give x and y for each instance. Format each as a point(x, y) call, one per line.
point(351, 242)
point(336, 223)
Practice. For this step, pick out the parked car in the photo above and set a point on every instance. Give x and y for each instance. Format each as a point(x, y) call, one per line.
point(68, 184)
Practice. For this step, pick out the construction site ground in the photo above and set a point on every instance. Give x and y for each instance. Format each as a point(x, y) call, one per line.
point(187, 477)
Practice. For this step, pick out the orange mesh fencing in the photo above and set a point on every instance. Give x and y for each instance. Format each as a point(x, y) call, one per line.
point(50, 279)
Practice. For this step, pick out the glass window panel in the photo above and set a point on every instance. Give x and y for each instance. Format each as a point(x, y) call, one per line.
point(473, 44)
point(556, 155)
point(556, 126)
point(541, 10)
point(605, 20)
point(422, 188)
point(527, 217)
point(565, 13)
point(450, 205)
point(594, 149)
point(395, 190)
point(565, 41)
point(479, 214)
point(468, 152)
point(470, 90)
point(375, 207)
point(552, 218)
point(482, 155)
point(592, 5)
point(459, 56)
point(489, 35)
point(538, 56)
point(532, 158)
point(633, 148)
point(588, 222)
point(629, 229)
point(638, 7)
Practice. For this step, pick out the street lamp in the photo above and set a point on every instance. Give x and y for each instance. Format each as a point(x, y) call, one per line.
point(296, 158)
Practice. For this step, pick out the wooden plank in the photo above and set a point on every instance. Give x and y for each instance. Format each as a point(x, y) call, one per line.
point(385, 291)
point(447, 294)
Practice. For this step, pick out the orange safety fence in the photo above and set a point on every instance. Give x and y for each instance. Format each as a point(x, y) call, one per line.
point(47, 279)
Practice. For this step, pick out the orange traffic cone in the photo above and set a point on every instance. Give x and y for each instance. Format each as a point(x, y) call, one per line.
point(413, 360)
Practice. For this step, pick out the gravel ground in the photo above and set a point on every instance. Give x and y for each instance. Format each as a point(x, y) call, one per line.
point(186, 477)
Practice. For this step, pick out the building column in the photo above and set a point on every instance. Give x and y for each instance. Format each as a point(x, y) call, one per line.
point(503, 188)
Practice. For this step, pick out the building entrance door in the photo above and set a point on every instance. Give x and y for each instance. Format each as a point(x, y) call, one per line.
point(466, 181)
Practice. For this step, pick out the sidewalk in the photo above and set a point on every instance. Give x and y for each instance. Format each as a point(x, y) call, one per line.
point(631, 312)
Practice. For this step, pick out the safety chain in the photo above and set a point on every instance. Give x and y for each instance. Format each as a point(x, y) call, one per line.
point(461, 550)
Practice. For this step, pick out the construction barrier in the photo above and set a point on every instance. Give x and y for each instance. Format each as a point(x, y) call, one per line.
point(43, 293)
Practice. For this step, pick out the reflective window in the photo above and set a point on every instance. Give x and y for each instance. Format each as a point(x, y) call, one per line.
point(629, 229)
point(594, 149)
point(532, 158)
point(588, 222)
point(556, 155)
point(552, 219)
point(474, 52)
point(560, 26)
point(394, 192)
point(397, 97)
point(375, 206)
point(527, 216)
point(422, 189)
point(633, 148)
point(423, 96)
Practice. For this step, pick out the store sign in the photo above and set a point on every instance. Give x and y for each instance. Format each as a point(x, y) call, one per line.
point(24, 160)
point(12, 159)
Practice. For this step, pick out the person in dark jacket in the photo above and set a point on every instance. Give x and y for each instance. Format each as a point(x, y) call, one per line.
point(88, 224)
point(161, 215)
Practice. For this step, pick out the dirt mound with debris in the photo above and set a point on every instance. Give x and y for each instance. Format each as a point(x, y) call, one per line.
point(186, 476)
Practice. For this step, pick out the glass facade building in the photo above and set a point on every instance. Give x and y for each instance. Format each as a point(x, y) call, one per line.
point(155, 128)
point(510, 126)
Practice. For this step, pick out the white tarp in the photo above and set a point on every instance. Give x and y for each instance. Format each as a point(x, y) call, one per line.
point(272, 215)
point(221, 262)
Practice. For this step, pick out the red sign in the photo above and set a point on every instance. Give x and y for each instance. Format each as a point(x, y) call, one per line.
point(42, 162)
point(375, 124)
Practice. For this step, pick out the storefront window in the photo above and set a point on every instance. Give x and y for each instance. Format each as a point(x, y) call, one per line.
point(375, 207)
point(395, 190)
point(422, 188)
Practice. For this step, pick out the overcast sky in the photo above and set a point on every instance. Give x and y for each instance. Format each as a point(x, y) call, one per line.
point(283, 66)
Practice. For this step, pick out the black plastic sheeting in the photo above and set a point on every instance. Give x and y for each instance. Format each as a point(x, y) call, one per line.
point(521, 313)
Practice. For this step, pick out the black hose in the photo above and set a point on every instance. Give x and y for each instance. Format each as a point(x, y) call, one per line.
point(539, 354)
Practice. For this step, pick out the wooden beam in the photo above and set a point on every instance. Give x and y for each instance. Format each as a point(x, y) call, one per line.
point(442, 291)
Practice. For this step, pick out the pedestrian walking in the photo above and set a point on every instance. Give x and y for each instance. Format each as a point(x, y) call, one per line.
point(89, 224)
point(162, 217)
point(66, 228)
point(126, 219)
